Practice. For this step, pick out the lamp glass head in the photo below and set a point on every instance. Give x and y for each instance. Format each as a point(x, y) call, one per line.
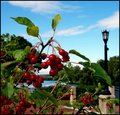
point(105, 35)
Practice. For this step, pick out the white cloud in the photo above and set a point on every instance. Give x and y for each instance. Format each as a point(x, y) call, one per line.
point(47, 34)
point(65, 32)
point(45, 6)
point(70, 31)
point(3, 2)
point(110, 22)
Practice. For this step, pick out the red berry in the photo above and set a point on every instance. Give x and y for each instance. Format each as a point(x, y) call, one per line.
point(28, 81)
point(81, 99)
point(58, 60)
point(34, 59)
point(52, 57)
point(53, 66)
point(20, 95)
point(27, 104)
point(3, 110)
point(110, 105)
point(44, 65)
point(1, 104)
point(21, 103)
point(23, 109)
point(60, 66)
point(65, 54)
point(107, 104)
point(36, 84)
point(62, 52)
point(30, 56)
point(8, 112)
point(2, 97)
point(32, 77)
point(65, 59)
point(5, 102)
point(48, 62)
point(43, 56)
point(41, 79)
point(26, 74)
point(17, 109)
point(88, 101)
point(53, 72)
point(84, 102)
point(92, 100)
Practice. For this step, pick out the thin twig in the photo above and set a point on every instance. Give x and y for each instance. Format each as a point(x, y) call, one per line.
point(42, 108)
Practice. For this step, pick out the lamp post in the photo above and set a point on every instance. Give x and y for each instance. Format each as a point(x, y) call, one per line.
point(105, 35)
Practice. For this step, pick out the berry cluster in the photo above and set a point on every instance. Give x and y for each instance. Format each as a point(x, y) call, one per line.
point(22, 106)
point(32, 58)
point(36, 80)
point(64, 54)
point(87, 99)
point(4, 101)
point(55, 62)
point(67, 97)
point(109, 105)
point(5, 105)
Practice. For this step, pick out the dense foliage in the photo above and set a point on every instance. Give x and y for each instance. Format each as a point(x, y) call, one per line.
point(9, 44)
point(24, 66)
point(113, 68)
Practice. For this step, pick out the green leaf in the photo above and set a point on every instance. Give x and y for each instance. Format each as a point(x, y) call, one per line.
point(50, 97)
point(24, 21)
point(55, 21)
point(8, 90)
point(27, 49)
point(99, 71)
point(18, 70)
point(33, 31)
point(44, 94)
point(78, 54)
point(99, 86)
point(85, 64)
point(19, 55)
point(4, 65)
point(68, 71)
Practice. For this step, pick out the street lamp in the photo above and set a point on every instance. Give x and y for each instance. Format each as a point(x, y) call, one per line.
point(105, 35)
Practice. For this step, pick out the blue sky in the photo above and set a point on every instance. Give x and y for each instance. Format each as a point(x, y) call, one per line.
point(80, 28)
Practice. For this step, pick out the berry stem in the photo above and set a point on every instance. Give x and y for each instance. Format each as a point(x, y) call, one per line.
point(43, 46)
point(39, 37)
point(45, 102)
point(53, 40)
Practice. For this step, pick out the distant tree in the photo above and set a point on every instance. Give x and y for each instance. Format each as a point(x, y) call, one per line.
point(87, 77)
point(72, 74)
point(10, 43)
point(113, 68)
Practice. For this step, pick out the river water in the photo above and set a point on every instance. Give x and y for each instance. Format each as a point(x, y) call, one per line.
point(48, 83)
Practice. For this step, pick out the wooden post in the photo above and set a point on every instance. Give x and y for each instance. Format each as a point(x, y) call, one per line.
point(102, 103)
point(72, 94)
point(112, 90)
